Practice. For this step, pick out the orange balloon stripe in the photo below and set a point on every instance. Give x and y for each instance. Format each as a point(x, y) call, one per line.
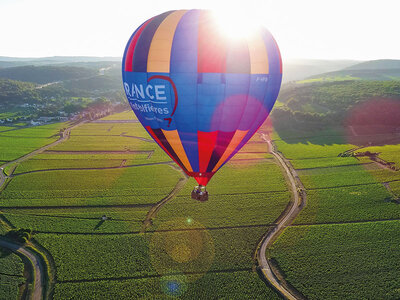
point(174, 140)
point(161, 44)
point(236, 139)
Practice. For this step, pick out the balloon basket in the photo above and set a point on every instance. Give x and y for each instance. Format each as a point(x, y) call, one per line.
point(200, 193)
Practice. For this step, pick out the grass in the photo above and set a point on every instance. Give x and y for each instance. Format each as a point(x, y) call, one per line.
point(347, 261)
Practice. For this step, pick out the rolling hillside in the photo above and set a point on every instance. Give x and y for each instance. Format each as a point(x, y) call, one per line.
point(46, 74)
point(383, 69)
point(299, 69)
point(7, 62)
point(342, 97)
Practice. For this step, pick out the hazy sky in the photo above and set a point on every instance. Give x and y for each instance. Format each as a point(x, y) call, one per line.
point(348, 29)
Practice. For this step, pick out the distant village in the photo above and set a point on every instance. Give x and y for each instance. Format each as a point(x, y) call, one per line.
point(62, 116)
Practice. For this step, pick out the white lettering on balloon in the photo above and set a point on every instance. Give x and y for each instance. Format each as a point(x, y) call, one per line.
point(142, 98)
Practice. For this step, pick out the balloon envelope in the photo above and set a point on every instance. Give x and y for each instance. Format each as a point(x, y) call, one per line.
point(198, 93)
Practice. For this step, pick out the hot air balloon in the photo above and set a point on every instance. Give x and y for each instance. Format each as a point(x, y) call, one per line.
point(200, 94)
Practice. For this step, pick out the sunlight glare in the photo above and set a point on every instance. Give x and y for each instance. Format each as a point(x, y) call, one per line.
point(236, 24)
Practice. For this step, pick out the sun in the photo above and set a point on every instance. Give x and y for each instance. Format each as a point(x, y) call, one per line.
point(236, 24)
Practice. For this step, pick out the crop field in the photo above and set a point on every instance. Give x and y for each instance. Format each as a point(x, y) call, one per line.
point(6, 128)
point(231, 247)
point(334, 261)
point(342, 261)
point(11, 274)
point(66, 163)
point(348, 204)
point(16, 143)
point(228, 206)
point(102, 170)
point(223, 285)
point(135, 185)
point(324, 162)
point(111, 129)
point(395, 187)
point(80, 220)
point(125, 115)
point(111, 167)
point(335, 177)
point(309, 150)
point(75, 253)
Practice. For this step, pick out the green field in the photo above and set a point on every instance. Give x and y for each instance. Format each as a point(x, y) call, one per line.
point(347, 261)
point(222, 285)
point(342, 242)
point(62, 193)
point(341, 261)
point(11, 274)
point(16, 143)
point(135, 185)
point(126, 115)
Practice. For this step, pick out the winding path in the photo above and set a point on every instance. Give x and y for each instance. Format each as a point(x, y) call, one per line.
point(151, 214)
point(286, 219)
point(36, 266)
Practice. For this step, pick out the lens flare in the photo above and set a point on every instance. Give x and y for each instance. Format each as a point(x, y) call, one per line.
point(182, 245)
point(174, 285)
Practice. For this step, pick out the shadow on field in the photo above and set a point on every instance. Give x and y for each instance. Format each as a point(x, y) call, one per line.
point(99, 224)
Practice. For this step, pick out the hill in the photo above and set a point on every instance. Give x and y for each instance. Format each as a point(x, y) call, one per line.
point(379, 64)
point(299, 69)
point(6, 62)
point(322, 104)
point(46, 74)
point(384, 69)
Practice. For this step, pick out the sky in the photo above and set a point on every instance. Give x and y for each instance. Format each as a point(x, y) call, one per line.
point(316, 29)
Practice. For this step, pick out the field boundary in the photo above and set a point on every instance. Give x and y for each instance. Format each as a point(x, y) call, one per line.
point(152, 213)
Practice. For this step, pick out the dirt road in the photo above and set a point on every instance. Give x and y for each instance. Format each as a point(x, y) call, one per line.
point(264, 264)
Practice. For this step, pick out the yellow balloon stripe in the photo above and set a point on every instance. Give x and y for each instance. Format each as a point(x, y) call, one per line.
point(160, 48)
point(258, 55)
